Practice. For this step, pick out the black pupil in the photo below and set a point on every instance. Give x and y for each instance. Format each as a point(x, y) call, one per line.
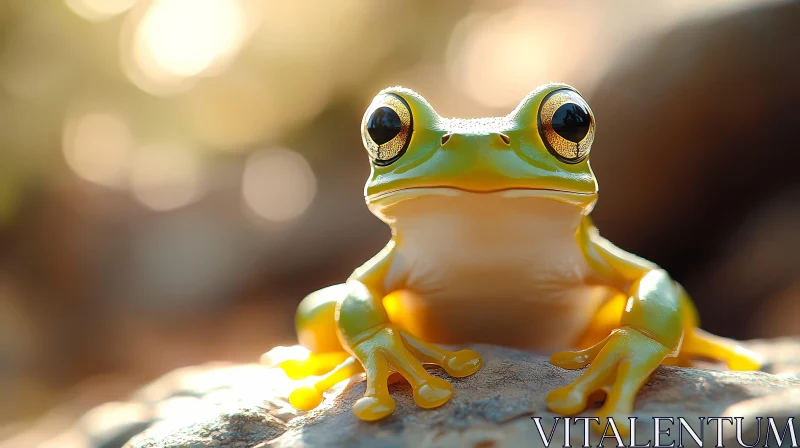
point(572, 122)
point(383, 125)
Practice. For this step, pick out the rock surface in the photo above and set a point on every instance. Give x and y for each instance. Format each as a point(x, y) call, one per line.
point(245, 406)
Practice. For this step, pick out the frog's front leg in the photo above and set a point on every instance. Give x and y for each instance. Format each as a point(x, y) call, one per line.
point(352, 317)
point(657, 322)
point(381, 348)
point(651, 329)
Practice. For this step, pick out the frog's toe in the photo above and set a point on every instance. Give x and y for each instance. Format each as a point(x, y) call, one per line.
point(305, 398)
point(570, 360)
point(457, 364)
point(462, 363)
point(373, 407)
point(578, 359)
point(573, 398)
point(624, 362)
point(702, 344)
point(566, 400)
point(314, 364)
point(432, 392)
point(309, 396)
point(295, 369)
point(744, 359)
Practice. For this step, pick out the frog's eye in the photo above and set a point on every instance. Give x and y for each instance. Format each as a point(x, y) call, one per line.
point(566, 125)
point(386, 129)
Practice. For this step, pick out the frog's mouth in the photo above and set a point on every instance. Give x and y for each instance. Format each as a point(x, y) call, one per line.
point(389, 198)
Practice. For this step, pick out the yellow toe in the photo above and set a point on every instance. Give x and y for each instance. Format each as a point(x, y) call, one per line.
point(463, 363)
point(566, 401)
point(295, 369)
point(371, 408)
point(744, 359)
point(433, 393)
point(569, 360)
point(578, 359)
point(305, 398)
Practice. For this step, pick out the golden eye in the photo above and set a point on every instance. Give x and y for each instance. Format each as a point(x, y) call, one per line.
point(566, 125)
point(386, 128)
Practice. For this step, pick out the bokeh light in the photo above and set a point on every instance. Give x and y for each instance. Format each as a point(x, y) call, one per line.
point(278, 184)
point(165, 176)
point(97, 10)
point(495, 57)
point(97, 147)
point(177, 39)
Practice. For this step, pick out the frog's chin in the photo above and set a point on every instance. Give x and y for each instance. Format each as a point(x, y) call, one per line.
point(381, 202)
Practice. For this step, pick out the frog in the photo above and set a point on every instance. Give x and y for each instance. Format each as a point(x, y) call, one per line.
point(492, 242)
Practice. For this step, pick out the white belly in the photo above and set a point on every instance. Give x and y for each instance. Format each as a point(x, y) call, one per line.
point(506, 271)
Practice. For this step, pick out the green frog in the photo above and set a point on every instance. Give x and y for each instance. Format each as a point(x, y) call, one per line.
point(492, 242)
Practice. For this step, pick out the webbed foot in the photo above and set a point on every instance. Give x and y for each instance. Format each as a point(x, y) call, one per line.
point(619, 364)
point(389, 350)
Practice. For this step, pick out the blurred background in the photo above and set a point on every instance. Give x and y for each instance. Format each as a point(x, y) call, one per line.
point(176, 175)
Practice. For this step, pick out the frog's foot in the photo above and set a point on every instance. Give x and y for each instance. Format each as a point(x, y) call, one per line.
point(309, 396)
point(619, 364)
point(314, 364)
point(701, 344)
point(388, 350)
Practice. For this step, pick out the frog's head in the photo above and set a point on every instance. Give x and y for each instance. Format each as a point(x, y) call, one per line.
point(540, 149)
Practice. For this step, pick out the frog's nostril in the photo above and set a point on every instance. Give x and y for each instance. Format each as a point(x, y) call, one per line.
point(504, 138)
point(446, 137)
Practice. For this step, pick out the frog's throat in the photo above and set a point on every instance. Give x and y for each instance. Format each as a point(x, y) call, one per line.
point(382, 201)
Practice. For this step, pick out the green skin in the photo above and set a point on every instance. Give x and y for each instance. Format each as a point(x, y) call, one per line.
point(464, 168)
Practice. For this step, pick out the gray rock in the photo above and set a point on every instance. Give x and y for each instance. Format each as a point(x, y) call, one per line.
point(247, 406)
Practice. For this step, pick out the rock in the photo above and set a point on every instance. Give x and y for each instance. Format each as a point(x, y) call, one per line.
point(246, 406)
point(112, 424)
